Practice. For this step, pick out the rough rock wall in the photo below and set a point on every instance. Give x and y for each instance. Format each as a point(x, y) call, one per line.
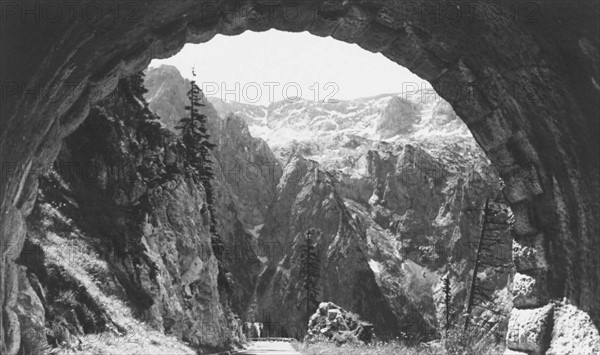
point(167, 94)
point(393, 224)
point(247, 165)
point(422, 215)
point(307, 198)
point(246, 176)
point(244, 165)
point(399, 116)
point(531, 76)
point(120, 179)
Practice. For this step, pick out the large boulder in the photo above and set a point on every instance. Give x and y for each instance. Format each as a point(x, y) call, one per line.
point(332, 322)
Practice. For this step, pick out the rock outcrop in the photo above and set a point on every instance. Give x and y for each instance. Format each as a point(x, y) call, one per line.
point(399, 117)
point(167, 94)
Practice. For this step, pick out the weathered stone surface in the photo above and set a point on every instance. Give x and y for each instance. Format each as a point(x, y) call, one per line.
point(530, 290)
point(352, 25)
point(404, 49)
point(573, 332)
point(377, 37)
point(529, 253)
point(492, 130)
point(399, 117)
point(29, 192)
point(458, 86)
point(522, 183)
point(326, 24)
point(11, 322)
point(30, 311)
point(529, 329)
point(502, 157)
point(13, 229)
point(524, 224)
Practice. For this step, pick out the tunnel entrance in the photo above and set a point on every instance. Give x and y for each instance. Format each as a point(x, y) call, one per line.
point(299, 162)
point(527, 89)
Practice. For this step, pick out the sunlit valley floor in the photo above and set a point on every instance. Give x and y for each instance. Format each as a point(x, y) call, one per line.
point(120, 251)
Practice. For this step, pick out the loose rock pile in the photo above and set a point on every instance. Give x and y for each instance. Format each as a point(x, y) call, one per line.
point(332, 322)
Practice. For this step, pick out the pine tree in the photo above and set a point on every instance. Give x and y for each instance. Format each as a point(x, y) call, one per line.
point(447, 302)
point(194, 134)
point(310, 270)
point(195, 137)
point(135, 87)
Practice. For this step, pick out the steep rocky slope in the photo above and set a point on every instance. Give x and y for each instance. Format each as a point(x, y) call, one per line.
point(307, 197)
point(120, 244)
point(392, 228)
point(246, 175)
point(167, 94)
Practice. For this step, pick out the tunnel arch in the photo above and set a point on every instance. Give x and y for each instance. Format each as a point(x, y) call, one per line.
point(523, 77)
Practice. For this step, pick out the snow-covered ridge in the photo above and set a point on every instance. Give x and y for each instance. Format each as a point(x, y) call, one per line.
point(334, 134)
point(327, 131)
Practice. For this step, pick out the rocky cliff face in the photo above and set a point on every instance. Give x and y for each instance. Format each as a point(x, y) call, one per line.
point(167, 94)
point(246, 168)
point(393, 225)
point(124, 240)
point(246, 176)
point(399, 117)
point(253, 115)
point(307, 197)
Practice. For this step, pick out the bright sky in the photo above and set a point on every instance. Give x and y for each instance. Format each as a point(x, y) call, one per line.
point(269, 66)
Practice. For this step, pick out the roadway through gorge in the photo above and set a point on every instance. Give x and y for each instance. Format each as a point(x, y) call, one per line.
point(270, 348)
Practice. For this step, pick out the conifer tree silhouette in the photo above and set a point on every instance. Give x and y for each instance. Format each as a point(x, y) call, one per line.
point(195, 137)
point(310, 267)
